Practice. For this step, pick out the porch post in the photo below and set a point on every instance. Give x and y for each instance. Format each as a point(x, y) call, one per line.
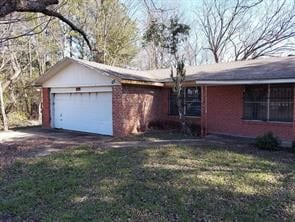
point(204, 111)
point(293, 137)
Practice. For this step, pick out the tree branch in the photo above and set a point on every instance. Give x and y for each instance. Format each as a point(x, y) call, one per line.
point(28, 33)
point(41, 6)
point(69, 23)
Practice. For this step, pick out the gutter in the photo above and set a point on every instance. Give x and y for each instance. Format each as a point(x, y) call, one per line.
point(244, 82)
point(185, 83)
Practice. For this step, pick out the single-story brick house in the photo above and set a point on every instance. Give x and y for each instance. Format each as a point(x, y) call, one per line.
point(247, 98)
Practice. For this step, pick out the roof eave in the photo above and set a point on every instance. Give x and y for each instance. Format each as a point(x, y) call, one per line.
point(185, 83)
point(244, 82)
point(139, 82)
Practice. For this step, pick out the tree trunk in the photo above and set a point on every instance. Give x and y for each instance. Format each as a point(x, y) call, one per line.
point(184, 127)
point(4, 118)
point(216, 58)
point(180, 112)
point(178, 79)
point(40, 112)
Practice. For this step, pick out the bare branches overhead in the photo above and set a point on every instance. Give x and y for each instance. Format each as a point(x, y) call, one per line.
point(68, 22)
point(34, 31)
point(9, 6)
point(247, 28)
point(151, 7)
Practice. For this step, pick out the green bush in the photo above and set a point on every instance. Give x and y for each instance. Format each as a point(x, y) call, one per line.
point(268, 142)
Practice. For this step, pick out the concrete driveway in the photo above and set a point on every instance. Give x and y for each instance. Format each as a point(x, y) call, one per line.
point(36, 141)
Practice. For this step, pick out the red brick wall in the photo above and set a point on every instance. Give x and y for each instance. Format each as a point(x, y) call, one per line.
point(46, 107)
point(225, 111)
point(140, 105)
point(117, 111)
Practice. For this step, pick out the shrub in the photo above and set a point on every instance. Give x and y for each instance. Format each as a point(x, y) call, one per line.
point(268, 142)
point(195, 129)
point(164, 124)
point(174, 125)
point(293, 147)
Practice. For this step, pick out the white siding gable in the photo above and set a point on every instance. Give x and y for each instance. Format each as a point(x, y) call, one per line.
point(76, 75)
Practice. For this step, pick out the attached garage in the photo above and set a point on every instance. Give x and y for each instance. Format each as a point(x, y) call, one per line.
point(91, 97)
point(79, 97)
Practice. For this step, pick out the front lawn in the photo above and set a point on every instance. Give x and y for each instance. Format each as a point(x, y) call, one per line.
point(168, 183)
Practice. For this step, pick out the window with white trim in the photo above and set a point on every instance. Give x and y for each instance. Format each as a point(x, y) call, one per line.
point(269, 102)
point(191, 101)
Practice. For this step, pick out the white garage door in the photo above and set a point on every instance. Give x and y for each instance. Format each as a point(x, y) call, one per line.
point(86, 112)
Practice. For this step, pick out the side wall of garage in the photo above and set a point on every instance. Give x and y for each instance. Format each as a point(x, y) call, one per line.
point(134, 107)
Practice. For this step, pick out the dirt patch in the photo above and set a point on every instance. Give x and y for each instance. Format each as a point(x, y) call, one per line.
point(28, 147)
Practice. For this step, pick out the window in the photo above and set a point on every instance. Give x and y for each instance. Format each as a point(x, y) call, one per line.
point(255, 102)
point(269, 103)
point(191, 102)
point(281, 104)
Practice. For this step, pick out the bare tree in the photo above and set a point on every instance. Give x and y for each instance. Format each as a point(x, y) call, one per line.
point(6, 83)
point(2, 104)
point(246, 28)
point(270, 35)
point(192, 50)
point(42, 6)
point(157, 13)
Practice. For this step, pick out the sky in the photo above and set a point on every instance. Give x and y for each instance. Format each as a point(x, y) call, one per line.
point(184, 8)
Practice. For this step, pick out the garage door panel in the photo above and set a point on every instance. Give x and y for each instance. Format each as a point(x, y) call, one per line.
point(88, 112)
